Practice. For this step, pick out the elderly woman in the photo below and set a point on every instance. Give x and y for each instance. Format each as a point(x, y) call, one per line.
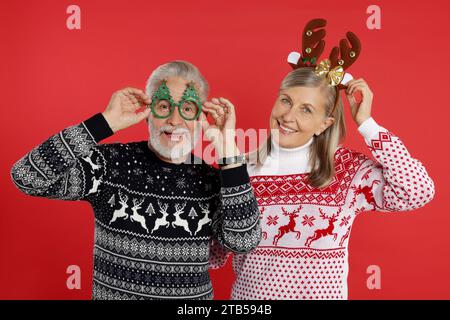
point(310, 188)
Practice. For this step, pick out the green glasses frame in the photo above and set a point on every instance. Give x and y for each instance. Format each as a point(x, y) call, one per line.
point(189, 95)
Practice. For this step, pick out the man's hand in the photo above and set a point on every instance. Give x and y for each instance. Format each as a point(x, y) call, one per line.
point(121, 111)
point(223, 132)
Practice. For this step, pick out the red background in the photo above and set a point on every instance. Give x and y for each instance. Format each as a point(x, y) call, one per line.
point(52, 77)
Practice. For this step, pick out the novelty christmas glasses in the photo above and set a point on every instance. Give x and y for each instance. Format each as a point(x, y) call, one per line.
point(189, 106)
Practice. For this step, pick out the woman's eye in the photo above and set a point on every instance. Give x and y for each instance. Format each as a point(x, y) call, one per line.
point(285, 101)
point(307, 110)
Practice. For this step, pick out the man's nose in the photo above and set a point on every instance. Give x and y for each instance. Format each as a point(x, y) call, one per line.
point(175, 118)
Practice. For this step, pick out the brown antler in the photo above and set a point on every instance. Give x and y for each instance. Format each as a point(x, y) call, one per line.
point(346, 55)
point(312, 43)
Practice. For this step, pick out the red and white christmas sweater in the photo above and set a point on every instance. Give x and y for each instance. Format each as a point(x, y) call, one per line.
point(304, 250)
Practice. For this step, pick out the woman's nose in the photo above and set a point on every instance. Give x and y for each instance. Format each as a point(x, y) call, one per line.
point(289, 115)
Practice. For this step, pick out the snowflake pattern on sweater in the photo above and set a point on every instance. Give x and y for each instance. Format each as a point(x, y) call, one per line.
point(154, 221)
point(306, 231)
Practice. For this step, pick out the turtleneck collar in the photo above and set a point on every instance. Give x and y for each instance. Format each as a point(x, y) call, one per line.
point(283, 161)
point(282, 151)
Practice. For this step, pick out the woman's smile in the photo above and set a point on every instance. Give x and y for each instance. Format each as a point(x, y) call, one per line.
point(285, 129)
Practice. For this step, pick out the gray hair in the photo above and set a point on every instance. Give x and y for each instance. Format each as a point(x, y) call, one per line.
point(180, 69)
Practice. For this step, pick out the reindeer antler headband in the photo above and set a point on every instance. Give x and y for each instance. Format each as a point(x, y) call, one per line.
point(340, 59)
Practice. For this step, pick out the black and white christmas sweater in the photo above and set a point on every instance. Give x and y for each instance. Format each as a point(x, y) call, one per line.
point(154, 221)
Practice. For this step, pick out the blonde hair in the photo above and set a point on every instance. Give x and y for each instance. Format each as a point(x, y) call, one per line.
point(324, 146)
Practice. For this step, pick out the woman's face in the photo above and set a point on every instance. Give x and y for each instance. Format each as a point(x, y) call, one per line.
point(298, 114)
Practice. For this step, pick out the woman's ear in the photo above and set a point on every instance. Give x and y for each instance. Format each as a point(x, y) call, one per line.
point(329, 121)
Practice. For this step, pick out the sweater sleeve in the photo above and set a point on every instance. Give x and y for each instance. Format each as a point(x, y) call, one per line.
point(218, 255)
point(235, 223)
point(67, 166)
point(394, 181)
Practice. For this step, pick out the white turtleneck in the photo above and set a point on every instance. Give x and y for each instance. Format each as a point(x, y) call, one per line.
point(283, 161)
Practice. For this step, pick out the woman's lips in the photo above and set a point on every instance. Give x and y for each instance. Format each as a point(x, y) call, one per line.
point(285, 130)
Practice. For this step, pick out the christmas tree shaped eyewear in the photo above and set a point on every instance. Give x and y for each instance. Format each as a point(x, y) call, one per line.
point(189, 106)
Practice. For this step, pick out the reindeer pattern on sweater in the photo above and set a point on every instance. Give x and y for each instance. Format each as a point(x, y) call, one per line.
point(305, 231)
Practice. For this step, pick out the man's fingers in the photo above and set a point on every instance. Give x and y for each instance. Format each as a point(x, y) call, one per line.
point(216, 102)
point(132, 90)
point(204, 122)
point(229, 107)
point(216, 107)
point(212, 112)
point(131, 99)
point(130, 96)
point(224, 104)
point(142, 115)
point(136, 93)
point(227, 103)
point(144, 100)
point(138, 101)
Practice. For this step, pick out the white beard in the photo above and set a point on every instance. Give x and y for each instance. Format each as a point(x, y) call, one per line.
point(180, 149)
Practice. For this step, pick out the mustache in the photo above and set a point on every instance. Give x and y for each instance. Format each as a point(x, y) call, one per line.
point(173, 129)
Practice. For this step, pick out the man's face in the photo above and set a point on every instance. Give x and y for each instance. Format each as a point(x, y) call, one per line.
point(174, 137)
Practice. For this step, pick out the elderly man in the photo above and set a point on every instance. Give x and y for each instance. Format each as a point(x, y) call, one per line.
point(157, 208)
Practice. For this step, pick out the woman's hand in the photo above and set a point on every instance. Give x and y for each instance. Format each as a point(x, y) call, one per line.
point(223, 132)
point(121, 110)
point(361, 111)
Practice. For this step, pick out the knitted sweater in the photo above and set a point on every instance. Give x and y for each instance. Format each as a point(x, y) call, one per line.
point(306, 231)
point(154, 220)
